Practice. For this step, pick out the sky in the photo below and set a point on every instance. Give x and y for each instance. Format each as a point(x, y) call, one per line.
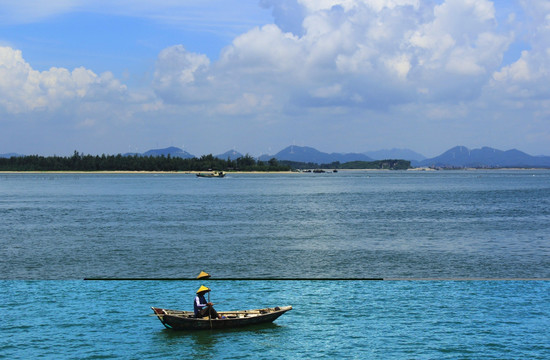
point(208, 76)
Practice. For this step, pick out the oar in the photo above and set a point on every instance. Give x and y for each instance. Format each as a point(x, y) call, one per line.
point(209, 311)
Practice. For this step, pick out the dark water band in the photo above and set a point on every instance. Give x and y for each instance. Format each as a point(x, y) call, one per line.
point(313, 279)
point(237, 279)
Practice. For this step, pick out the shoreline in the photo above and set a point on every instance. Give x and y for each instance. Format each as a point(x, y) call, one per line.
point(77, 172)
point(130, 172)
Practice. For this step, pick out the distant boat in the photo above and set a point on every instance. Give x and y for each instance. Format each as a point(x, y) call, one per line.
point(186, 320)
point(214, 174)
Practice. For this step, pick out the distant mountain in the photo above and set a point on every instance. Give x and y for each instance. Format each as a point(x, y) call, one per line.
point(403, 154)
point(308, 154)
point(9, 155)
point(231, 155)
point(461, 156)
point(172, 151)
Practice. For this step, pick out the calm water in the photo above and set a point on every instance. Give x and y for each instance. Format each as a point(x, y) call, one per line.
point(331, 319)
point(493, 224)
point(57, 229)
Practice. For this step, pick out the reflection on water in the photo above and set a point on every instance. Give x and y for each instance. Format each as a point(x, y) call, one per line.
point(204, 343)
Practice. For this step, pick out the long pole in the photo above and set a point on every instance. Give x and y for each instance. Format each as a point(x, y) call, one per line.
point(209, 311)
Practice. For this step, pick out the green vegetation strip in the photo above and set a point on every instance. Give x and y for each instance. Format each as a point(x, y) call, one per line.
point(81, 162)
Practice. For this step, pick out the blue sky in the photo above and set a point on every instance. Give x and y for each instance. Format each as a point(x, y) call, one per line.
point(257, 76)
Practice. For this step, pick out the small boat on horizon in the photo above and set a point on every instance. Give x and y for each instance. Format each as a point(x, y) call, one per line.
point(186, 320)
point(214, 174)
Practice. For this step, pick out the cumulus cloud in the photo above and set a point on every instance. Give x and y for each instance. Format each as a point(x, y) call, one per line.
point(529, 76)
point(178, 73)
point(353, 53)
point(349, 52)
point(23, 89)
point(288, 15)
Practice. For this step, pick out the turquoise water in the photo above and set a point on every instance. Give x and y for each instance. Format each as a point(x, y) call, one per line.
point(57, 229)
point(331, 319)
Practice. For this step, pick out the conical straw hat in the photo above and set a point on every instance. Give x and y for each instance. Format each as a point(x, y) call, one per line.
point(203, 289)
point(203, 275)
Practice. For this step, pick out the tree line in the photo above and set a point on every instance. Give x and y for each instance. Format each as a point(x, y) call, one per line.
point(81, 162)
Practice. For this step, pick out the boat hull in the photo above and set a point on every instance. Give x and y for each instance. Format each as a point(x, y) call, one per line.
point(211, 175)
point(185, 320)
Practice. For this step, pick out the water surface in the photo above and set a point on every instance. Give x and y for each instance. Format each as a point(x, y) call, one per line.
point(72, 319)
point(452, 224)
point(57, 229)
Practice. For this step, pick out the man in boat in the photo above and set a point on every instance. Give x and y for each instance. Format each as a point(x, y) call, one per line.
point(202, 307)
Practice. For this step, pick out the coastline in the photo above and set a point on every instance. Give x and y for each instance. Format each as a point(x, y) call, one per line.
point(130, 172)
point(143, 172)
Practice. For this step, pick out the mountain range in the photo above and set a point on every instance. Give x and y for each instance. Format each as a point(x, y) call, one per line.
point(310, 155)
point(457, 157)
point(461, 156)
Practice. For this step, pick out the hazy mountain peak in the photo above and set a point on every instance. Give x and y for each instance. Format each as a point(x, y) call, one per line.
point(461, 156)
point(231, 154)
point(405, 154)
point(172, 151)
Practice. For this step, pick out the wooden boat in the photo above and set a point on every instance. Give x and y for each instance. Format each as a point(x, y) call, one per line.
point(186, 320)
point(215, 174)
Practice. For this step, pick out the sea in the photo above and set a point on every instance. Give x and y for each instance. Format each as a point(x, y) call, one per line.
point(376, 264)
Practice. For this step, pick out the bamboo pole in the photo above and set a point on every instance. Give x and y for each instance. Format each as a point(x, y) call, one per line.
point(209, 311)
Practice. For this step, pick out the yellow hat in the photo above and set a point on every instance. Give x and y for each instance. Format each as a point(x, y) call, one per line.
point(203, 275)
point(203, 289)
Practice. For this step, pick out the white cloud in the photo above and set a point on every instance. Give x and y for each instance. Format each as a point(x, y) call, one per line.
point(376, 51)
point(24, 89)
point(383, 50)
point(399, 65)
point(525, 82)
point(376, 5)
point(262, 50)
point(178, 73)
point(246, 104)
point(461, 39)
